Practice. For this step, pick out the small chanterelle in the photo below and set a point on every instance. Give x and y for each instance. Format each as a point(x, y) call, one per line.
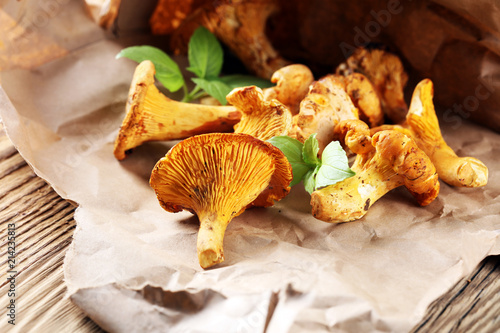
point(390, 160)
point(217, 176)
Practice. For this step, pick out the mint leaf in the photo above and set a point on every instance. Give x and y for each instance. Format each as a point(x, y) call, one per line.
point(205, 54)
point(167, 71)
point(214, 88)
point(310, 151)
point(292, 148)
point(334, 166)
point(310, 179)
point(236, 81)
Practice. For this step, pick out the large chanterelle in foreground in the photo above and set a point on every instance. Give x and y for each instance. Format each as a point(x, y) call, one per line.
point(217, 176)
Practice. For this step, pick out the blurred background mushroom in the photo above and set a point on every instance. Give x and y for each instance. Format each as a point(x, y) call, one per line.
point(454, 43)
point(388, 76)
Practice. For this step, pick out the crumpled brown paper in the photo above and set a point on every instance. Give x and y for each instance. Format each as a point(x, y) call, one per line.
point(133, 267)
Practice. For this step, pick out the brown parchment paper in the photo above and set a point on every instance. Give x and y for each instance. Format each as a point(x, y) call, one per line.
point(132, 267)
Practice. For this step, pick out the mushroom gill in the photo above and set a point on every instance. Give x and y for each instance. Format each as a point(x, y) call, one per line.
point(216, 176)
point(152, 116)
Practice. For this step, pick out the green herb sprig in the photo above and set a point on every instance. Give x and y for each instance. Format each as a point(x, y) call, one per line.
point(307, 167)
point(205, 56)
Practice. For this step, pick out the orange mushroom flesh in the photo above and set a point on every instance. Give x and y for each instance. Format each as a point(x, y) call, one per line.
point(355, 135)
point(423, 126)
point(365, 98)
point(394, 160)
point(385, 70)
point(261, 119)
point(151, 116)
point(325, 106)
point(216, 176)
point(292, 85)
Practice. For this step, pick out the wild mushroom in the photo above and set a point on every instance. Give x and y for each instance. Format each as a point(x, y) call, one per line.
point(385, 70)
point(216, 176)
point(292, 85)
point(241, 26)
point(261, 119)
point(423, 125)
point(325, 105)
point(355, 135)
point(365, 98)
point(151, 116)
point(393, 160)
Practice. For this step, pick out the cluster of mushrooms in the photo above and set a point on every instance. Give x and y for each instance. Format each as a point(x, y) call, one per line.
point(224, 165)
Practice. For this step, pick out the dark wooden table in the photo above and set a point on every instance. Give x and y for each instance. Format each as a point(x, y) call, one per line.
point(44, 229)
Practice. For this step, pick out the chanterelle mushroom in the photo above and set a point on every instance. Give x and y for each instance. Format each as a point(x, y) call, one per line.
point(261, 119)
point(151, 116)
point(364, 97)
point(393, 160)
point(292, 85)
point(326, 104)
point(217, 176)
point(241, 26)
point(423, 125)
point(385, 70)
point(355, 135)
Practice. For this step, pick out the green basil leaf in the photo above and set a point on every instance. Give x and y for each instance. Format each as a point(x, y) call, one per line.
point(237, 81)
point(292, 148)
point(334, 166)
point(167, 71)
point(214, 88)
point(310, 151)
point(205, 54)
point(310, 179)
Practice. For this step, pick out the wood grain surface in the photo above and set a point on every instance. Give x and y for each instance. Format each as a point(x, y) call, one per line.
point(44, 227)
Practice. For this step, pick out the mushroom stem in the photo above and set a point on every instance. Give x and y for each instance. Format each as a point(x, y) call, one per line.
point(241, 26)
point(178, 120)
point(424, 126)
point(350, 199)
point(210, 240)
point(459, 171)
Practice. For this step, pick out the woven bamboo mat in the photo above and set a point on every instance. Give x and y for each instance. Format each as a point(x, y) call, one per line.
point(44, 227)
